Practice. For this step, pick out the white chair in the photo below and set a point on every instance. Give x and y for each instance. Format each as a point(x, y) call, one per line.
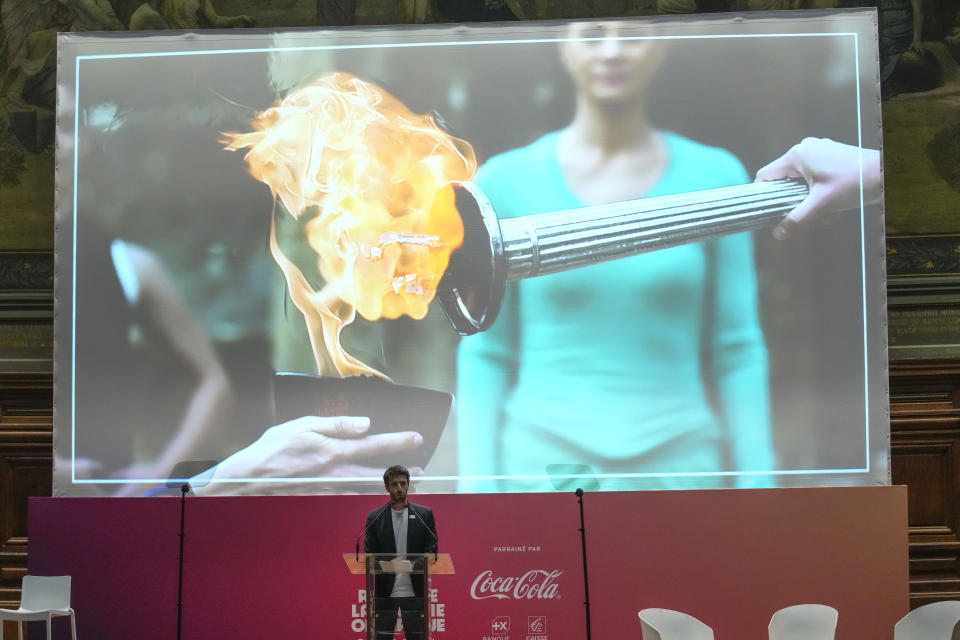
point(42, 598)
point(804, 622)
point(935, 621)
point(666, 624)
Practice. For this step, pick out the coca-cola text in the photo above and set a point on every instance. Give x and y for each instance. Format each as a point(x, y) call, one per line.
point(534, 584)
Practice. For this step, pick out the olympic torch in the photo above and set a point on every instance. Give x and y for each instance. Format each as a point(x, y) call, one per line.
point(496, 251)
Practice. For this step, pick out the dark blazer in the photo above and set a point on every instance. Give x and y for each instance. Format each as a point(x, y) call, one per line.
point(421, 538)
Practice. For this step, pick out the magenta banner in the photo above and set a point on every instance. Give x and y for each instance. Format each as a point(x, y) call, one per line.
point(272, 567)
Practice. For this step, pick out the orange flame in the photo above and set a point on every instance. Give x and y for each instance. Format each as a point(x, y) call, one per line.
point(375, 180)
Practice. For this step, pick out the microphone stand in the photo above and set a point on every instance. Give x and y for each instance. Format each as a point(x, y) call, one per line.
point(583, 544)
point(183, 474)
point(429, 530)
point(184, 488)
point(367, 528)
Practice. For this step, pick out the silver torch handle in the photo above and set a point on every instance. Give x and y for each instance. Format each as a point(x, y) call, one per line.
point(496, 251)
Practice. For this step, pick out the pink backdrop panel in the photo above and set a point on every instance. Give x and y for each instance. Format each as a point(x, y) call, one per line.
point(260, 567)
point(122, 555)
point(733, 557)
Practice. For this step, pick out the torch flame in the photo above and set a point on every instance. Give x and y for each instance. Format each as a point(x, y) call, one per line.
point(374, 182)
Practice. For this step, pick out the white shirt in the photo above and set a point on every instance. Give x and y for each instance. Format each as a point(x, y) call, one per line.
point(402, 587)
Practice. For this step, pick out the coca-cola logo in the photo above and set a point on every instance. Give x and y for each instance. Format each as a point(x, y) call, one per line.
point(534, 584)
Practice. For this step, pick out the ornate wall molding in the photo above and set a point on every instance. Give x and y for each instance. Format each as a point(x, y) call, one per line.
point(26, 311)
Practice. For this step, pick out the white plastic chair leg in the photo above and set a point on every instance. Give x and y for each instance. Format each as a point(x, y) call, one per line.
point(73, 626)
point(49, 630)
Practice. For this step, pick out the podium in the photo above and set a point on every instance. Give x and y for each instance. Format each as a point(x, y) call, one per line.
point(419, 566)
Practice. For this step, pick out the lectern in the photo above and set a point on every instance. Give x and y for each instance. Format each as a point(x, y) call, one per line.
point(416, 564)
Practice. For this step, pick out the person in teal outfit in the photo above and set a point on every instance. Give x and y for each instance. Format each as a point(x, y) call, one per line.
point(652, 365)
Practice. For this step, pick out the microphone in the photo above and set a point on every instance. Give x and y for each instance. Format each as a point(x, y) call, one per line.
point(367, 528)
point(579, 492)
point(435, 539)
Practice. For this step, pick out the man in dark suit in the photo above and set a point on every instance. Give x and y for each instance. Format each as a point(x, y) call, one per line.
point(398, 528)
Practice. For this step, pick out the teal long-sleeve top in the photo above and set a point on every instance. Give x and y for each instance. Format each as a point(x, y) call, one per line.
point(609, 365)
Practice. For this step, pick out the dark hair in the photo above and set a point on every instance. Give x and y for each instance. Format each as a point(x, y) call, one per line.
point(395, 470)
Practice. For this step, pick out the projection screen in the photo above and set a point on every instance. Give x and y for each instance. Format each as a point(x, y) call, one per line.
point(255, 231)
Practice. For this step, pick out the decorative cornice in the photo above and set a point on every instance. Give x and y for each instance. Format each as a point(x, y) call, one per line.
point(26, 271)
point(925, 255)
point(911, 260)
